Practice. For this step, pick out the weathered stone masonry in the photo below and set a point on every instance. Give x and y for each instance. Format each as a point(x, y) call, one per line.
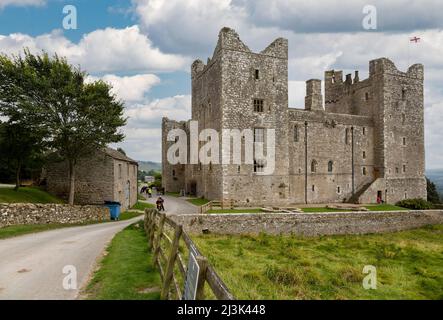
point(107, 175)
point(315, 224)
point(367, 141)
point(27, 213)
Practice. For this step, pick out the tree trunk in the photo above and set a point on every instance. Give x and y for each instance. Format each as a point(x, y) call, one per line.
point(17, 176)
point(71, 182)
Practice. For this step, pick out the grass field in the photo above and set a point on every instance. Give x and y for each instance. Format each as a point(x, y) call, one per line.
point(126, 272)
point(375, 207)
point(198, 201)
point(142, 206)
point(257, 210)
point(27, 195)
point(173, 194)
point(409, 265)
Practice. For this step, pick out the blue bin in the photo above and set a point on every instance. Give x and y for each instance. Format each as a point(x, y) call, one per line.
point(114, 208)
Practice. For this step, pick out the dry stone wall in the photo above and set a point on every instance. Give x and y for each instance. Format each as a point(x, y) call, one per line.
point(309, 224)
point(24, 213)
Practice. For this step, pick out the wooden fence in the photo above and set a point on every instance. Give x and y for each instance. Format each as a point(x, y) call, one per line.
point(224, 204)
point(171, 245)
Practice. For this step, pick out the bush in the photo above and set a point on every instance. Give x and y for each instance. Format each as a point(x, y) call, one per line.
point(415, 204)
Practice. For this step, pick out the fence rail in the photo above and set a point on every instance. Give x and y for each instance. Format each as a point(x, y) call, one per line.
point(223, 204)
point(169, 243)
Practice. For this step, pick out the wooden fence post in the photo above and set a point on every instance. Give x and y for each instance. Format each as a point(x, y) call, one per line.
point(203, 264)
point(171, 262)
point(152, 236)
point(146, 222)
point(157, 241)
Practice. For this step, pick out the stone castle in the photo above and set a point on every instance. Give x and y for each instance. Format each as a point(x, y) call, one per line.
point(366, 143)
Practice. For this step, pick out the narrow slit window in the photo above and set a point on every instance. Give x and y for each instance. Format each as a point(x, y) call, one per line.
point(259, 135)
point(257, 74)
point(295, 133)
point(330, 166)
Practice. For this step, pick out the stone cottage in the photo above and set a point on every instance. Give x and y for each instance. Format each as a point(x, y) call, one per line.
point(108, 175)
point(364, 143)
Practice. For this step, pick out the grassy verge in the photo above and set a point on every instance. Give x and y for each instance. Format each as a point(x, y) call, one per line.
point(27, 195)
point(384, 207)
point(19, 230)
point(409, 265)
point(142, 206)
point(235, 211)
point(375, 207)
point(126, 272)
point(140, 197)
point(198, 201)
point(129, 215)
point(173, 194)
point(322, 209)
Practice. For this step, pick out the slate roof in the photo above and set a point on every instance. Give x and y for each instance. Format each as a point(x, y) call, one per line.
point(118, 155)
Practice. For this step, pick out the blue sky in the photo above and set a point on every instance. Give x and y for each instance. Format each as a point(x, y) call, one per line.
point(145, 48)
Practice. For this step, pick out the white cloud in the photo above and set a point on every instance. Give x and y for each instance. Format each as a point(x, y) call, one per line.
point(106, 50)
point(129, 88)
point(5, 3)
point(143, 131)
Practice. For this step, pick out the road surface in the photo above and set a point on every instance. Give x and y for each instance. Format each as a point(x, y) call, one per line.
point(31, 266)
point(175, 205)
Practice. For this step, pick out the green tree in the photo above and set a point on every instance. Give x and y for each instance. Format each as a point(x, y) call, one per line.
point(121, 151)
point(433, 195)
point(21, 136)
point(20, 148)
point(78, 118)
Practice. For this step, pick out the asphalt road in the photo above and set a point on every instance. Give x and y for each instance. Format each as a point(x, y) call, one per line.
point(175, 205)
point(31, 266)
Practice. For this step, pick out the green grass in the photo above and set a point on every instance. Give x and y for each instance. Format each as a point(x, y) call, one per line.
point(19, 230)
point(322, 209)
point(173, 194)
point(374, 207)
point(409, 265)
point(27, 195)
point(140, 197)
point(235, 211)
point(198, 201)
point(142, 206)
point(384, 207)
point(126, 272)
point(129, 215)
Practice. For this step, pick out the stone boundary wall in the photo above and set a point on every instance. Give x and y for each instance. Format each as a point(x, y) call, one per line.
point(26, 213)
point(309, 224)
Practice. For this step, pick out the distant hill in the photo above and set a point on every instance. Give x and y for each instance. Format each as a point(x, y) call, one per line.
point(149, 165)
point(436, 176)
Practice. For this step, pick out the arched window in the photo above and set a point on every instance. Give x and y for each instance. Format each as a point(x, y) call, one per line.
point(330, 166)
point(314, 166)
point(364, 171)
